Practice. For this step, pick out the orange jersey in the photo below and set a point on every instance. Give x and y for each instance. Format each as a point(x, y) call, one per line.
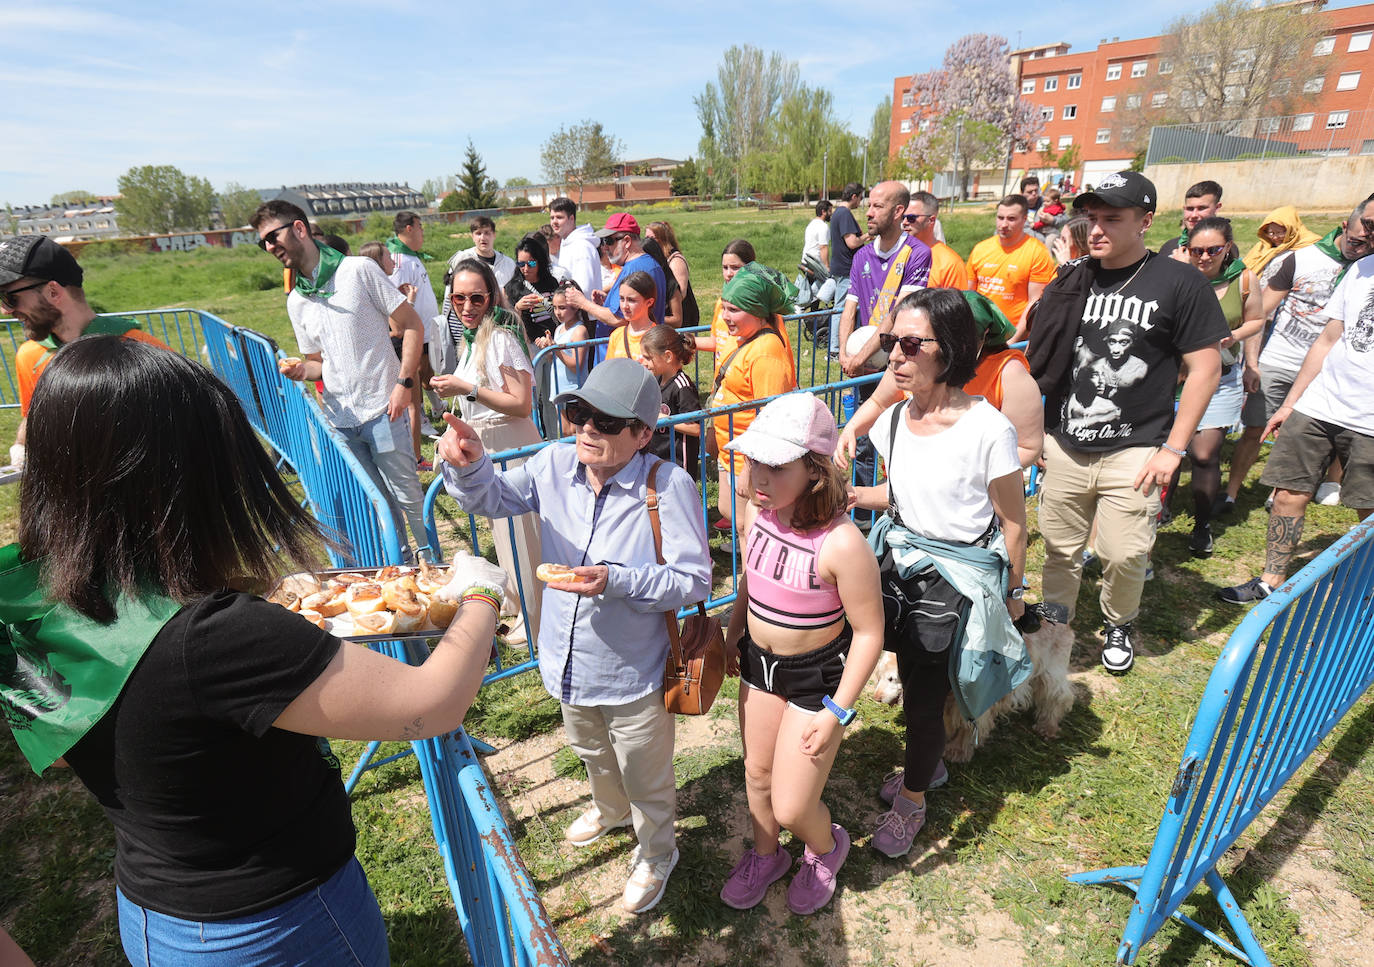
point(32, 358)
point(763, 367)
point(1005, 275)
point(987, 378)
point(947, 270)
point(625, 342)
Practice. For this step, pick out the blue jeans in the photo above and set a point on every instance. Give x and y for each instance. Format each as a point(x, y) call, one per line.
point(337, 923)
point(841, 290)
point(385, 451)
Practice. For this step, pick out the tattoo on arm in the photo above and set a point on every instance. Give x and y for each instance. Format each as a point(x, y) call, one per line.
point(414, 730)
point(1281, 543)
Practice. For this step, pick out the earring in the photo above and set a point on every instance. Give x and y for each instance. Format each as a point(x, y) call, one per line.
point(816, 485)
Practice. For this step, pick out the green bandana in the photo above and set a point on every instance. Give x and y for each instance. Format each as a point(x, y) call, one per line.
point(329, 264)
point(100, 326)
point(60, 672)
point(993, 325)
point(759, 291)
point(1233, 271)
point(395, 246)
point(1327, 246)
point(1183, 240)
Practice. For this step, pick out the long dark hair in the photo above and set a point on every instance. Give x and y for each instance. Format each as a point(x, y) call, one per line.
point(535, 244)
point(144, 476)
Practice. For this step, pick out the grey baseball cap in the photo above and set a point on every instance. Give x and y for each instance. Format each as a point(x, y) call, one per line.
point(37, 257)
point(619, 387)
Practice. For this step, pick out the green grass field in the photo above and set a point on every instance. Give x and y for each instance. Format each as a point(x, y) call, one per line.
point(985, 884)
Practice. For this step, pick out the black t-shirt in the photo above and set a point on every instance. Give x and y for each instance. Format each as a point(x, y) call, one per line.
point(216, 813)
point(540, 322)
point(1136, 325)
point(1169, 247)
point(841, 255)
point(679, 396)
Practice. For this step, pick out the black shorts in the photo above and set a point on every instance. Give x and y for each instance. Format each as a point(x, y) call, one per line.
point(396, 345)
point(803, 680)
point(1304, 451)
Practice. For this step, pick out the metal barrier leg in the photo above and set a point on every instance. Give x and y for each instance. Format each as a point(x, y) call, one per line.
point(1238, 923)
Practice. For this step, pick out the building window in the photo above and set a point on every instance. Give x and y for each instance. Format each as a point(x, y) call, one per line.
point(1070, 111)
point(1138, 68)
point(1132, 101)
point(1113, 72)
point(1104, 135)
point(1108, 104)
point(906, 125)
point(1314, 85)
point(924, 125)
point(1244, 59)
point(1232, 92)
point(1159, 98)
point(1324, 46)
point(1281, 87)
point(908, 99)
point(1047, 114)
point(1360, 41)
point(1269, 125)
point(1075, 82)
point(1065, 141)
point(1028, 86)
point(1337, 119)
point(1166, 66)
point(1127, 134)
point(1042, 144)
point(1051, 84)
point(1302, 122)
point(1348, 81)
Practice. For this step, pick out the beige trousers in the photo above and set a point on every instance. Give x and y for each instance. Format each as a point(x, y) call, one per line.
point(628, 751)
point(1078, 487)
point(499, 432)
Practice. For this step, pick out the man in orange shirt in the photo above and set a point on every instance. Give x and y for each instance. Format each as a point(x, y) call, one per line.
point(947, 270)
point(40, 285)
point(1011, 268)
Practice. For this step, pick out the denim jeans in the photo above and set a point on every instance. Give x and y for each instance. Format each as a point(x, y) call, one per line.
point(841, 290)
point(385, 451)
point(336, 923)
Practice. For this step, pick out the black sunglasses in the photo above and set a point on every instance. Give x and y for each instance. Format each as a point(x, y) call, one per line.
point(579, 414)
point(1197, 251)
point(273, 237)
point(911, 345)
point(7, 298)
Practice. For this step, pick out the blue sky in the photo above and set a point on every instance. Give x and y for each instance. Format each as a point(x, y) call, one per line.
point(369, 90)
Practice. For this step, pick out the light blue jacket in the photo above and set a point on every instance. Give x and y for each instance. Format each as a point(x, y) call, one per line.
point(990, 659)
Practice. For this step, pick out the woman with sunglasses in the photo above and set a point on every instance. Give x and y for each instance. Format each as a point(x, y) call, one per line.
point(952, 476)
point(529, 289)
point(495, 380)
point(1238, 291)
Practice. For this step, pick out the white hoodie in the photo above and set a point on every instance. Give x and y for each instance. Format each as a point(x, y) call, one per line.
point(579, 256)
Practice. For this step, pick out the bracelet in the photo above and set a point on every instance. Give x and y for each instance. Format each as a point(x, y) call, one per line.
point(487, 595)
point(1174, 450)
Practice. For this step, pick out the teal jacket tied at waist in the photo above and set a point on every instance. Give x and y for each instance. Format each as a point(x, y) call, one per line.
point(990, 659)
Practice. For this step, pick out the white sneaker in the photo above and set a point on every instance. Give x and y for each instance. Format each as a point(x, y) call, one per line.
point(588, 828)
point(515, 633)
point(1328, 494)
point(647, 881)
point(427, 429)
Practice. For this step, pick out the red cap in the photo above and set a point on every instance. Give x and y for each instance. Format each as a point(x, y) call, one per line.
point(618, 223)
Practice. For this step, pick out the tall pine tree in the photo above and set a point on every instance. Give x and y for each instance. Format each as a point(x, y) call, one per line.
point(475, 188)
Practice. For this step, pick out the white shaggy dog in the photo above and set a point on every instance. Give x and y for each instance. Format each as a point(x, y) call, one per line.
point(1047, 690)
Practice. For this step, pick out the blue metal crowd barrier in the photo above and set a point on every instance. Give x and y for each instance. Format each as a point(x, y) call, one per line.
point(1286, 677)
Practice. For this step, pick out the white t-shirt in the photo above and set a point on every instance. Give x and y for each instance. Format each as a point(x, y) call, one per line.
point(1309, 275)
point(940, 483)
point(1343, 391)
point(579, 255)
point(411, 270)
point(349, 329)
point(817, 234)
point(503, 350)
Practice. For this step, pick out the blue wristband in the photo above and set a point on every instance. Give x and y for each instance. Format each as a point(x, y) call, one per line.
point(845, 715)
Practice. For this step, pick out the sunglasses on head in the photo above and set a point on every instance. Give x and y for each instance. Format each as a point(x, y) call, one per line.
point(911, 345)
point(460, 298)
point(579, 414)
point(1197, 251)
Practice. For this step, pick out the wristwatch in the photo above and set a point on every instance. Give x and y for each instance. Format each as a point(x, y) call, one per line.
point(1017, 594)
point(845, 715)
point(471, 395)
point(406, 381)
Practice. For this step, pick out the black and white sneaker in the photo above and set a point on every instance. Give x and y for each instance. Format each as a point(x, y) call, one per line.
point(1201, 544)
point(1248, 593)
point(1118, 654)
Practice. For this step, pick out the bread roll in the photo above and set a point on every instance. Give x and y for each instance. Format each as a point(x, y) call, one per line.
point(409, 612)
point(287, 599)
point(314, 617)
point(304, 584)
point(441, 612)
point(365, 598)
point(555, 573)
point(328, 603)
point(376, 623)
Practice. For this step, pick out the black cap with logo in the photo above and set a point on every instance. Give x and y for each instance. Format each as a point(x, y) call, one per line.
point(1125, 189)
point(37, 257)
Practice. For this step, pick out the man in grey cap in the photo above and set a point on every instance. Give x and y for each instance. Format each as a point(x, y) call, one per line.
point(1107, 340)
point(602, 639)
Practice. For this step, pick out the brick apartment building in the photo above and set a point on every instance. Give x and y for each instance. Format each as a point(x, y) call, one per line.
point(1098, 100)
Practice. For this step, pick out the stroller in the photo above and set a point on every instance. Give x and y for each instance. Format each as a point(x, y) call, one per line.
point(815, 292)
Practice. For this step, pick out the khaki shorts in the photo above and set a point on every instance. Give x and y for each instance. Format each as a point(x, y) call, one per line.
point(1304, 451)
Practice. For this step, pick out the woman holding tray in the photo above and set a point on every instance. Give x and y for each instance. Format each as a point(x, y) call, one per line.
point(187, 705)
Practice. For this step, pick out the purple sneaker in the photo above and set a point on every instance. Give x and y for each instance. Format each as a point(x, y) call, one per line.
point(752, 876)
point(892, 782)
point(814, 884)
point(898, 827)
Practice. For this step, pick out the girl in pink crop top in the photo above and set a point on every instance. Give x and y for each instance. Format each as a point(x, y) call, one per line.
point(806, 570)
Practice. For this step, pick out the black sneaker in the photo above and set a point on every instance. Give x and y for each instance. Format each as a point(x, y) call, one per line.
point(1118, 654)
point(1201, 544)
point(1224, 506)
point(1248, 593)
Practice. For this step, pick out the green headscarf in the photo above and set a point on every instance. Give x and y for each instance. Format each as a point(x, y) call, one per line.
point(760, 291)
point(993, 325)
point(330, 260)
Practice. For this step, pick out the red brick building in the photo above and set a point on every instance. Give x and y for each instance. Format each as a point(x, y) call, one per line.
point(1099, 101)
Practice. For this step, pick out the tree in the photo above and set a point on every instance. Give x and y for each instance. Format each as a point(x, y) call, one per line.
point(879, 138)
point(737, 109)
point(237, 204)
point(580, 154)
point(972, 101)
point(63, 198)
point(518, 182)
point(685, 178)
point(476, 189)
point(160, 198)
point(437, 187)
point(1237, 61)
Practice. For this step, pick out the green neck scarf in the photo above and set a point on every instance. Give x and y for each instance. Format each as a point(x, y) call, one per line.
point(1233, 271)
point(1327, 246)
point(1183, 240)
point(100, 326)
point(329, 264)
point(60, 672)
point(395, 246)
